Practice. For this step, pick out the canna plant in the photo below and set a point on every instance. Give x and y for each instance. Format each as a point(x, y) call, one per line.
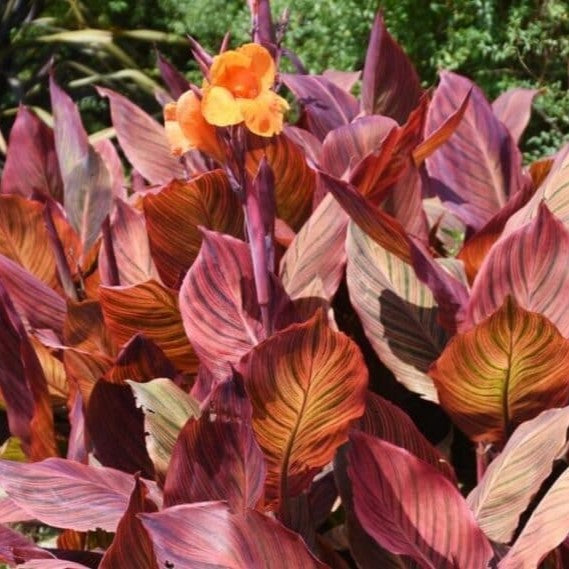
point(197, 359)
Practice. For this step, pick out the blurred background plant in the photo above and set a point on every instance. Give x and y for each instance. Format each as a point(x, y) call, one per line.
point(498, 43)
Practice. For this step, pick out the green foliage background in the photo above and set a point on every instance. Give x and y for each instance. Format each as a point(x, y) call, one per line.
point(498, 43)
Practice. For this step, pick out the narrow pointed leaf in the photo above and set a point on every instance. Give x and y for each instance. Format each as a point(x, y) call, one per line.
point(143, 140)
point(306, 384)
point(411, 509)
point(398, 312)
point(531, 265)
point(174, 214)
point(153, 310)
point(166, 410)
point(107, 151)
point(182, 538)
point(177, 84)
point(31, 161)
point(546, 528)
point(513, 108)
point(504, 371)
point(515, 476)
point(80, 497)
point(479, 167)
point(131, 547)
point(130, 247)
point(326, 105)
point(390, 84)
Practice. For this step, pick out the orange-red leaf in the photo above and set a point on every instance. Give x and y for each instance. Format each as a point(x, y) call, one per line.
point(153, 310)
point(306, 384)
point(174, 214)
point(504, 371)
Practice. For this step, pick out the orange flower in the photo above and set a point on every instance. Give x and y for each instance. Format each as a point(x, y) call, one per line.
point(239, 90)
point(186, 127)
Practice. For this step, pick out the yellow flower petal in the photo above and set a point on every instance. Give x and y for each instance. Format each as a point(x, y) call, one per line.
point(264, 114)
point(219, 107)
point(262, 65)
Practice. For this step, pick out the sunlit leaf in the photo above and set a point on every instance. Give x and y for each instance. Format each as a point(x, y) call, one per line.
point(513, 108)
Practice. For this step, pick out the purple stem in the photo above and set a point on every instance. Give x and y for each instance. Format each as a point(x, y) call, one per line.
point(110, 253)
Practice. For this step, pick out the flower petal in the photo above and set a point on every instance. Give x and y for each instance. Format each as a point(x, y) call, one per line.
point(261, 64)
point(219, 107)
point(264, 114)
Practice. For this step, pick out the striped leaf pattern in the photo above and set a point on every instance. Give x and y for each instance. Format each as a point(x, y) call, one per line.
point(306, 384)
point(183, 538)
point(143, 140)
point(130, 247)
point(166, 409)
point(546, 528)
point(152, 309)
point(218, 303)
point(317, 252)
point(479, 167)
point(295, 181)
point(409, 508)
point(531, 265)
point(515, 476)
point(174, 214)
point(397, 311)
point(504, 371)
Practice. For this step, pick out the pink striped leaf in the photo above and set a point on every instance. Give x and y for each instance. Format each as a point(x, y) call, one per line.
point(409, 508)
point(546, 528)
point(479, 167)
point(15, 548)
point(210, 535)
point(326, 106)
point(513, 108)
point(398, 312)
point(130, 246)
point(504, 371)
point(31, 161)
point(531, 265)
point(76, 496)
point(51, 564)
point(390, 84)
point(306, 384)
point(515, 476)
point(107, 151)
point(143, 140)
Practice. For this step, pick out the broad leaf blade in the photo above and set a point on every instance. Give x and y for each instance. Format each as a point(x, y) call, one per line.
point(306, 384)
point(515, 476)
point(513, 108)
point(183, 537)
point(411, 509)
point(504, 371)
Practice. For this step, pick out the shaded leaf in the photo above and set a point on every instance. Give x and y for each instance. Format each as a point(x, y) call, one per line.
point(504, 371)
point(177, 84)
point(174, 214)
point(107, 151)
point(15, 548)
point(31, 161)
point(479, 167)
point(390, 84)
point(153, 310)
point(306, 384)
point(182, 537)
point(398, 312)
point(166, 410)
point(80, 497)
point(130, 246)
point(515, 476)
point(410, 509)
point(513, 108)
point(143, 140)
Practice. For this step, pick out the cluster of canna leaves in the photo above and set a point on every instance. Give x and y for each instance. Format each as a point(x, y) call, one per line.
point(184, 323)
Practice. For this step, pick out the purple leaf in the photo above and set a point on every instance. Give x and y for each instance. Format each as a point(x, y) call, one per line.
point(177, 84)
point(390, 84)
point(15, 548)
point(513, 108)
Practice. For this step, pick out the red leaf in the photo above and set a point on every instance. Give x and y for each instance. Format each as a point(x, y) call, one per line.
point(513, 108)
point(76, 496)
point(390, 84)
point(326, 105)
point(183, 538)
point(31, 161)
point(143, 140)
point(479, 167)
point(409, 508)
point(131, 547)
point(531, 265)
